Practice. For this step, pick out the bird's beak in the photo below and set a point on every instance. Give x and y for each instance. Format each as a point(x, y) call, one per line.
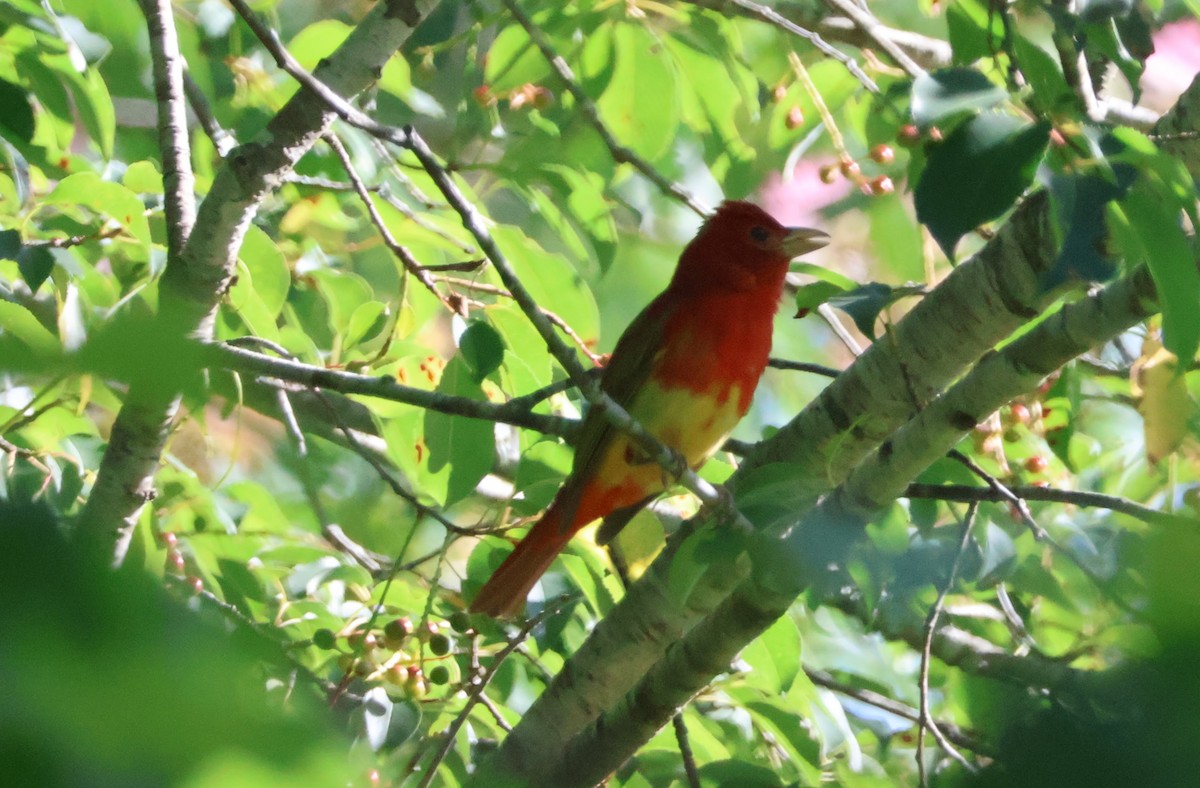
point(802, 240)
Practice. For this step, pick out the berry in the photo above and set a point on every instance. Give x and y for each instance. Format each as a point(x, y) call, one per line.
point(1019, 413)
point(908, 136)
point(883, 154)
point(1036, 464)
point(935, 134)
point(395, 632)
point(849, 167)
point(196, 583)
point(363, 639)
point(168, 539)
point(795, 118)
point(439, 645)
point(483, 96)
point(174, 563)
point(460, 621)
point(439, 674)
point(829, 173)
point(882, 184)
point(780, 92)
point(324, 639)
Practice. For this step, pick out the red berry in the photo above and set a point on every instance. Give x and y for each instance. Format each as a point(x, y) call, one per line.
point(882, 184)
point(396, 631)
point(908, 136)
point(168, 539)
point(795, 118)
point(1036, 464)
point(935, 134)
point(849, 167)
point(1019, 413)
point(483, 96)
point(780, 92)
point(883, 154)
point(175, 562)
point(196, 583)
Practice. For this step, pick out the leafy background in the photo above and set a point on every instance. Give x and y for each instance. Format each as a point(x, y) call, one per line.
point(291, 611)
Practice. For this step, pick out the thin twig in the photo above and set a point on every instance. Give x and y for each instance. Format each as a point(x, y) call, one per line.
point(804, 366)
point(484, 287)
point(685, 750)
point(221, 139)
point(962, 493)
point(892, 706)
point(830, 317)
point(1022, 508)
point(478, 685)
point(769, 15)
point(587, 108)
point(452, 302)
point(228, 356)
point(867, 22)
point(926, 720)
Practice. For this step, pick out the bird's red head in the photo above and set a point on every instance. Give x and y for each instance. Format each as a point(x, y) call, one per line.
point(741, 247)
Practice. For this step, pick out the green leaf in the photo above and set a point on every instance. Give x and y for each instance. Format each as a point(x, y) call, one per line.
point(10, 244)
point(775, 657)
point(976, 30)
point(740, 773)
point(272, 277)
point(318, 41)
point(640, 105)
point(513, 60)
point(18, 322)
point(463, 449)
point(1159, 235)
point(1099, 10)
point(103, 197)
point(977, 174)
point(940, 94)
point(16, 113)
point(95, 108)
point(588, 208)
point(551, 281)
point(1044, 74)
point(365, 322)
point(143, 177)
point(540, 473)
point(811, 296)
point(865, 302)
point(35, 262)
point(482, 349)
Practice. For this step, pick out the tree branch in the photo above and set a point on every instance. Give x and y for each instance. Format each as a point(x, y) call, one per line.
point(198, 274)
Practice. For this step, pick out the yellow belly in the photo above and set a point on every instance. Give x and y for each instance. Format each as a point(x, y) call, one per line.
point(693, 424)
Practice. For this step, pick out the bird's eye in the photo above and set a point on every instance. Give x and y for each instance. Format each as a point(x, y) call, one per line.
point(759, 234)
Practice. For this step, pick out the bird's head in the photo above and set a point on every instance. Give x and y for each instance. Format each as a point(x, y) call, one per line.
point(742, 247)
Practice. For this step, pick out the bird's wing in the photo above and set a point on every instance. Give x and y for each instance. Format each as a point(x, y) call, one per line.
point(631, 364)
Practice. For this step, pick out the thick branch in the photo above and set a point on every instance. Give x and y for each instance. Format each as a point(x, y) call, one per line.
point(984, 299)
point(825, 535)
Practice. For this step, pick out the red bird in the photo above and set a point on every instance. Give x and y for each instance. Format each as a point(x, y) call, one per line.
point(686, 369)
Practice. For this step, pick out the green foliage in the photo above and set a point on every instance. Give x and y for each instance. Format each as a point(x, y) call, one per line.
point(293, 606)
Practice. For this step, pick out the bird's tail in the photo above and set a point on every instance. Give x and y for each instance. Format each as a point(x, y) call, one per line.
point(505, 591)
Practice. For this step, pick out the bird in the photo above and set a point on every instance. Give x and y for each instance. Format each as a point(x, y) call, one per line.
point(686, 369)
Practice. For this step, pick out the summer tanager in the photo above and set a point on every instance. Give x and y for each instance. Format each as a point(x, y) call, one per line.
point(685, 369)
